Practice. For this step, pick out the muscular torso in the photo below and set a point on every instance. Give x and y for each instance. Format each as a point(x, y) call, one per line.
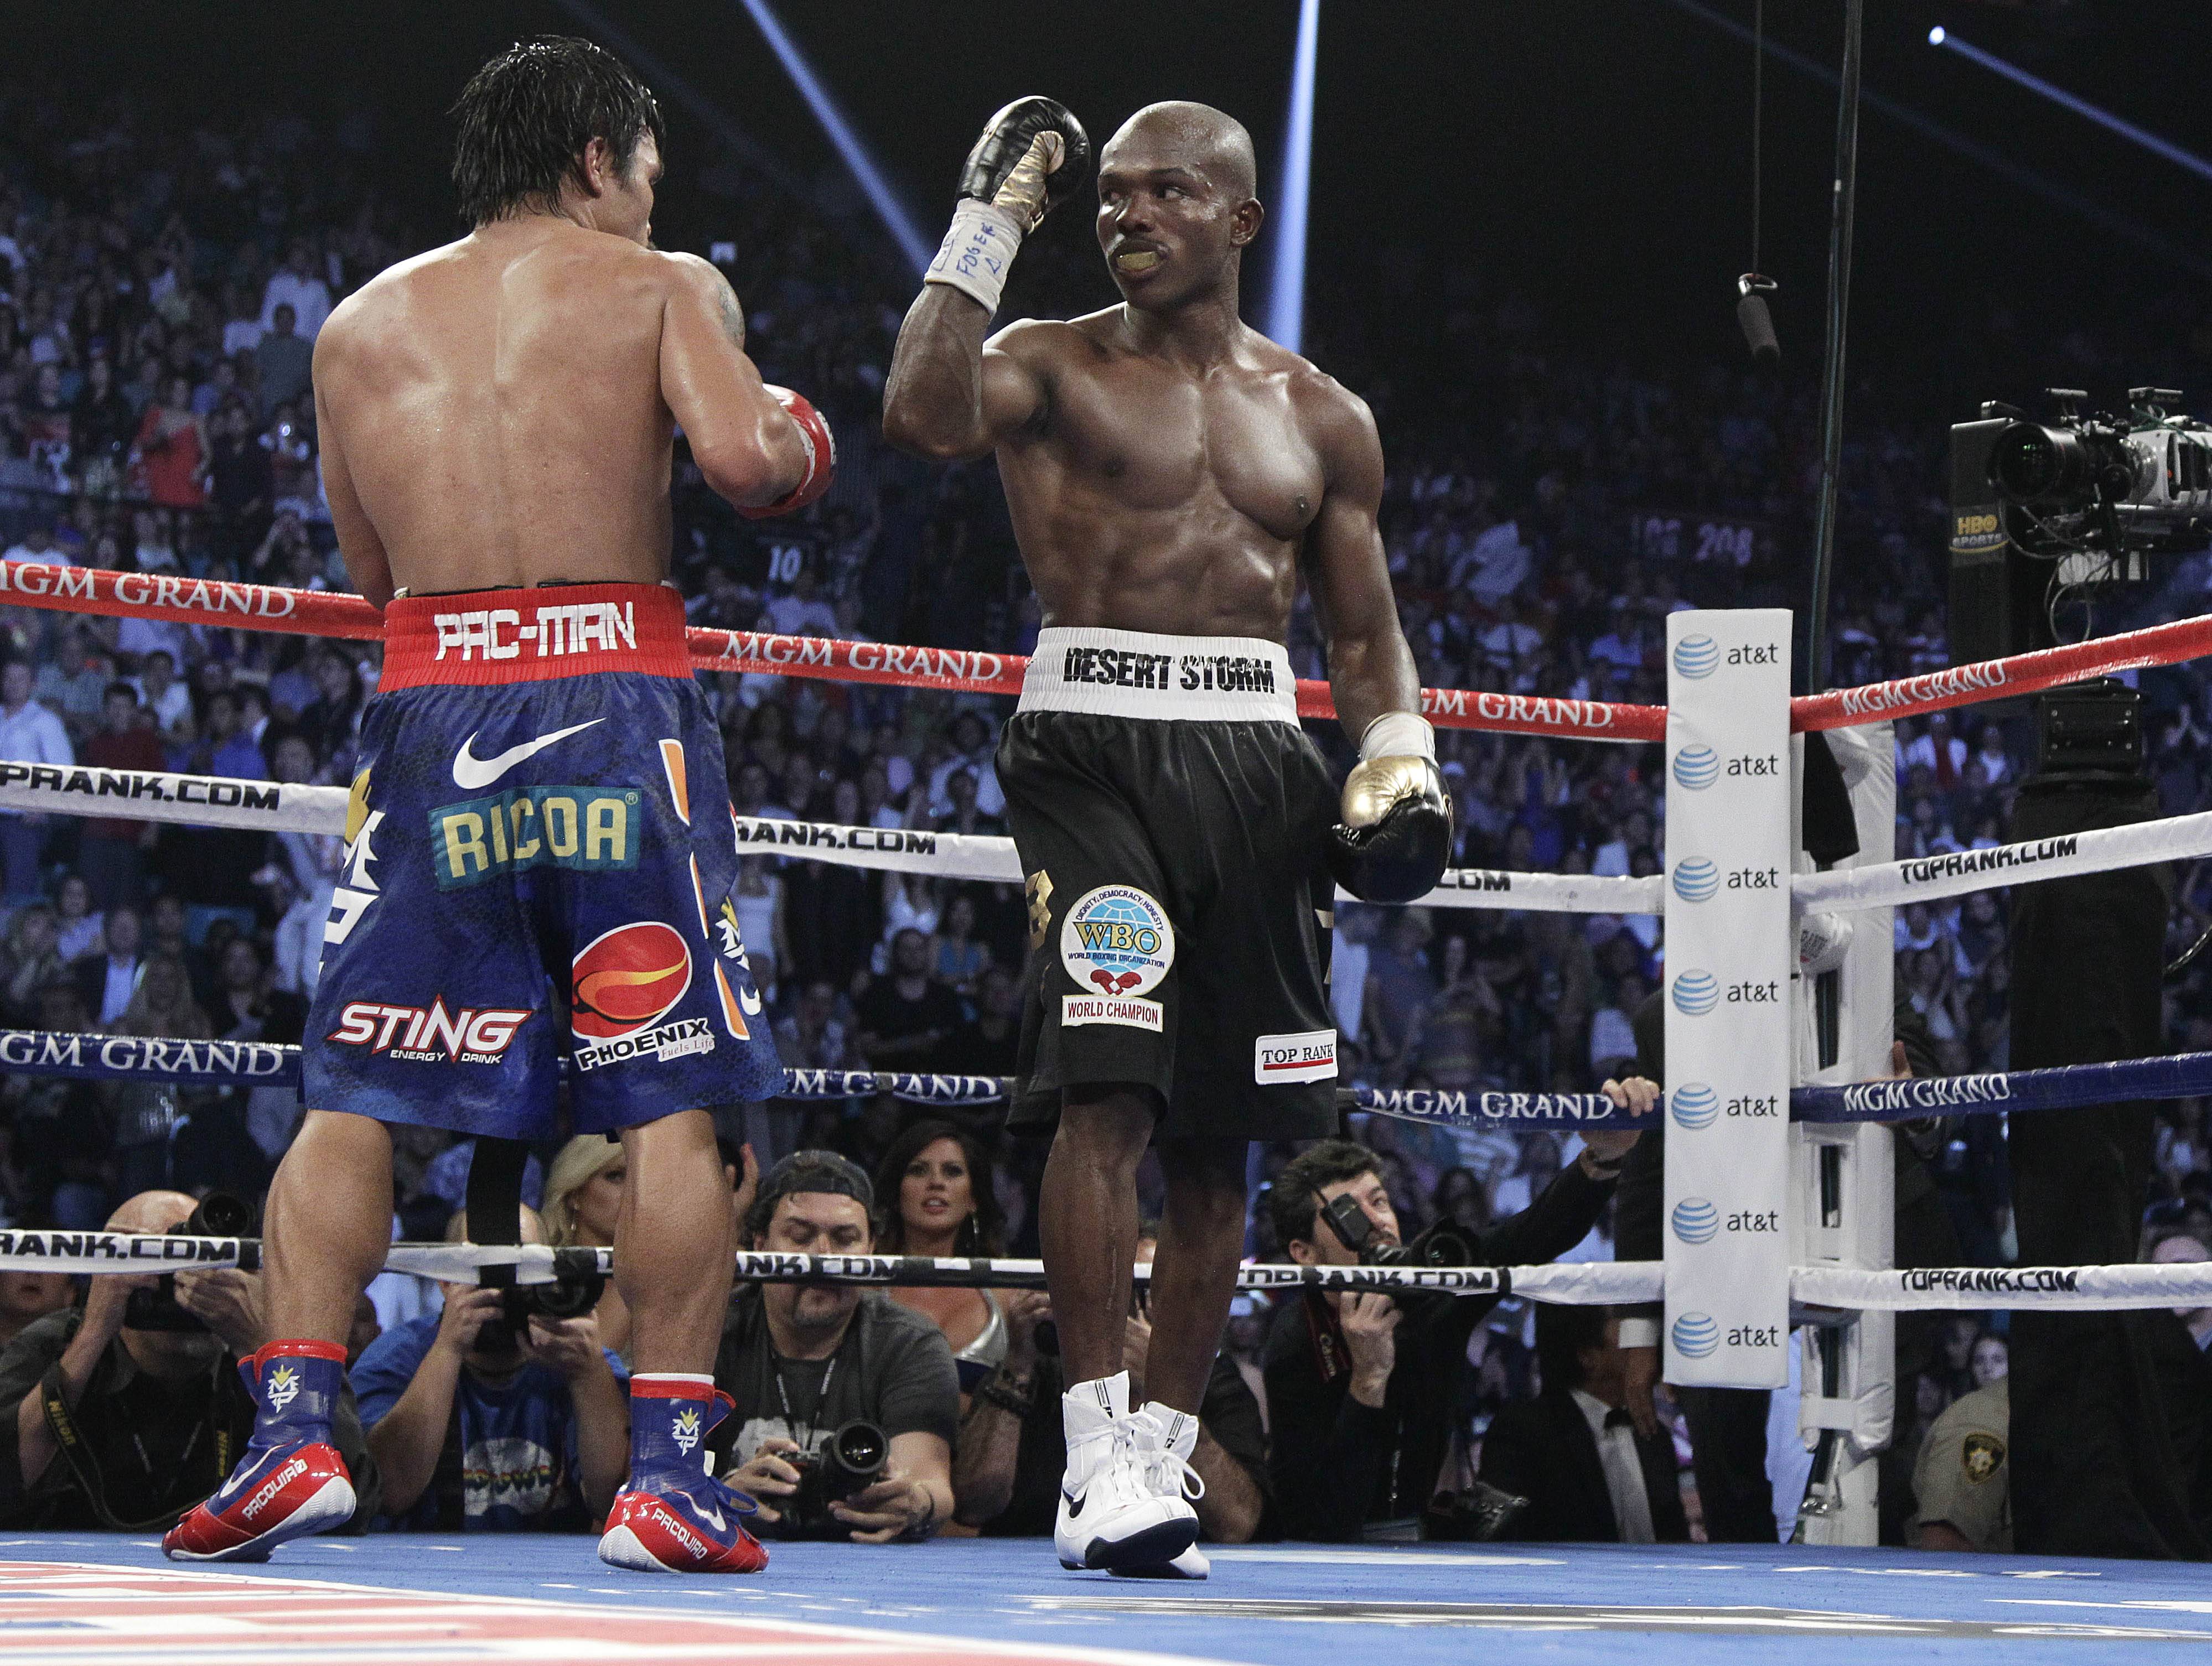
point(498, 405)
point(1149, 496)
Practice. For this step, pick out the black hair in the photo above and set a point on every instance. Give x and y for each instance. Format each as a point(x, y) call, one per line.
point(1294, 1199)
point(118, 687)
point(1562, 1333)
point(984, 1232)
point(807, 1171)
point(526, 117)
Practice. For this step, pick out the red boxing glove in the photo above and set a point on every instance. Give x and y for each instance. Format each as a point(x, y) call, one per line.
point(821, 456)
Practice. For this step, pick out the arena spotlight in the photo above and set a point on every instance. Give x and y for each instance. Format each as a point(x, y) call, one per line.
point(870, 178)
point(2081, 106)
point(1287, 295)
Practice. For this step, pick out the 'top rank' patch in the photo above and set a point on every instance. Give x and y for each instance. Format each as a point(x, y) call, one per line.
point(1116, 940)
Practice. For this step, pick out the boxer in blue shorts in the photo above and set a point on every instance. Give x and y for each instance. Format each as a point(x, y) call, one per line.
point(538, 850)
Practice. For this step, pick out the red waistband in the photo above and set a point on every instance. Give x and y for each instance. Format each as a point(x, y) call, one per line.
point(486, 637)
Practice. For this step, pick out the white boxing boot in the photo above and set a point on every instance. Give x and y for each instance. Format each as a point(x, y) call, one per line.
point(1111, 1514)
point(1174, 1440)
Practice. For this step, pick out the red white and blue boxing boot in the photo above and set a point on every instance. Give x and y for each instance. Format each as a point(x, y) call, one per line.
point(291, 1480)
point(673, 1517)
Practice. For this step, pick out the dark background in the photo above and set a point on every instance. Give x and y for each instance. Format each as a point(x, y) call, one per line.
point(1593, 154)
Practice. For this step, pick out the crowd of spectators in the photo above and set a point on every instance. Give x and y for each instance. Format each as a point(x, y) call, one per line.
point(160, 287)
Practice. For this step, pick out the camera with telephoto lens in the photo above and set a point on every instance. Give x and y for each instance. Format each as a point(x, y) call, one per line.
point(574, 1292)
point(1442, 1245)
point(218, 1215)
point(848, 1461)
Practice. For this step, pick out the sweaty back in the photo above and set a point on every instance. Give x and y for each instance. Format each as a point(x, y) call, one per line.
point(497, 403)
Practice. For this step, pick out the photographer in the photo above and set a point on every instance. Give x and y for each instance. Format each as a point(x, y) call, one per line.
point(1361, 1388)
point(481, 1426)
point(125, 1426)
point(817, 1372)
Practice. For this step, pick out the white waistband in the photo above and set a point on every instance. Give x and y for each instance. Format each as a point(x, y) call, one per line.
point(1136, 674)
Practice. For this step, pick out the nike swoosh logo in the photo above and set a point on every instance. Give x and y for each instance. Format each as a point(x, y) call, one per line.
point(472, 772)
point(1074, 1502)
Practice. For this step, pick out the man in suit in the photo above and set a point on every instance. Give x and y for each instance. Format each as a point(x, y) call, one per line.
point(1573, 1452)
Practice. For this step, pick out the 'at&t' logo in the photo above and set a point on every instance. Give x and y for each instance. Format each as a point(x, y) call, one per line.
point(1695, 1220)
point(1696, 1334)
point(1696, 878)
point(1696, 657)
point(1693, 1105)
point(1696, 767)
point(1116, 940)
point(1695, 993)
point(625, 978)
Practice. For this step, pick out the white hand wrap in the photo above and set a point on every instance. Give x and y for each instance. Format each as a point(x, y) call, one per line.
point(978, 248)
point(1398, 734)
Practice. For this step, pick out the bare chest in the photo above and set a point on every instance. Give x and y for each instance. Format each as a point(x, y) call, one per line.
point(1150, 438)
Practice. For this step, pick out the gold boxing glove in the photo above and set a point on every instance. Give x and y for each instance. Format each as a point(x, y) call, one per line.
point(1397, 834)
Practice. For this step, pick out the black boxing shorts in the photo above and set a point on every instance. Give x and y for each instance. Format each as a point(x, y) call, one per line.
point(1171, 817)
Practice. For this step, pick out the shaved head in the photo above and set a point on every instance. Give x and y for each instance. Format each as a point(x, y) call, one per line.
point(1207, 141)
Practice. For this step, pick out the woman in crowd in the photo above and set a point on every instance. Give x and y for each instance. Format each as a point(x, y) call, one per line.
point(582, 1202)
point(960, 959)
point(934, 1187)
point(33, 961)
point(172, 448)
point(76, 925)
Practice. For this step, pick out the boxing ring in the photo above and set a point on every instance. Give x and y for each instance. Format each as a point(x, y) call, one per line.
point(1759, 1130)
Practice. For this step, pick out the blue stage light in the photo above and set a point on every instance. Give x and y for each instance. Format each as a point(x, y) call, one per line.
point(916, 248)
point(2081, 106)
point(1286, 296)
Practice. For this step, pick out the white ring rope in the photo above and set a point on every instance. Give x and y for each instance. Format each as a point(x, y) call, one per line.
point(1922, 879)
point(2053, 1289)
point(215, 801)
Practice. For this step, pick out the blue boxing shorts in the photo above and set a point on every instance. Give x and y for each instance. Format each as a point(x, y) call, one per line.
point(538, 867)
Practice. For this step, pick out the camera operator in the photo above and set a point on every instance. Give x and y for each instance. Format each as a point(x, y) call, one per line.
point(1361, 1388)
point(479, 1425)
point(845, 1405)
point(1013, 1451)
point(123, 1425)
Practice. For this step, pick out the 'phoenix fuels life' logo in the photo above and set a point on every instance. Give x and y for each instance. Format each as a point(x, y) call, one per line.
point(627, 978)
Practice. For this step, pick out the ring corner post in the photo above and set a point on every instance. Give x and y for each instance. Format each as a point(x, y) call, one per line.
point(1727, 1006)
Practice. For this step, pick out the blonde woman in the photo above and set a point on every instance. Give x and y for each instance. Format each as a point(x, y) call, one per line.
point(583, 1199)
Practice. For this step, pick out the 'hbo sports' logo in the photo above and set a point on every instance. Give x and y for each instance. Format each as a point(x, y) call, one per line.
point(1696, 656)
point(1696, 1219)
point(1695, 993)
point(1693, 1105)
point(1696, 767)
point(1696, 878)
point(1696, 1334)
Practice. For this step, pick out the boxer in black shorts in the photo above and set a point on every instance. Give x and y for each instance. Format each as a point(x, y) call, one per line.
point(1171, 473)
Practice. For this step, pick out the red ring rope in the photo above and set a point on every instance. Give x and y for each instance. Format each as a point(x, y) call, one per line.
point(253, 606)
point(240, 606)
